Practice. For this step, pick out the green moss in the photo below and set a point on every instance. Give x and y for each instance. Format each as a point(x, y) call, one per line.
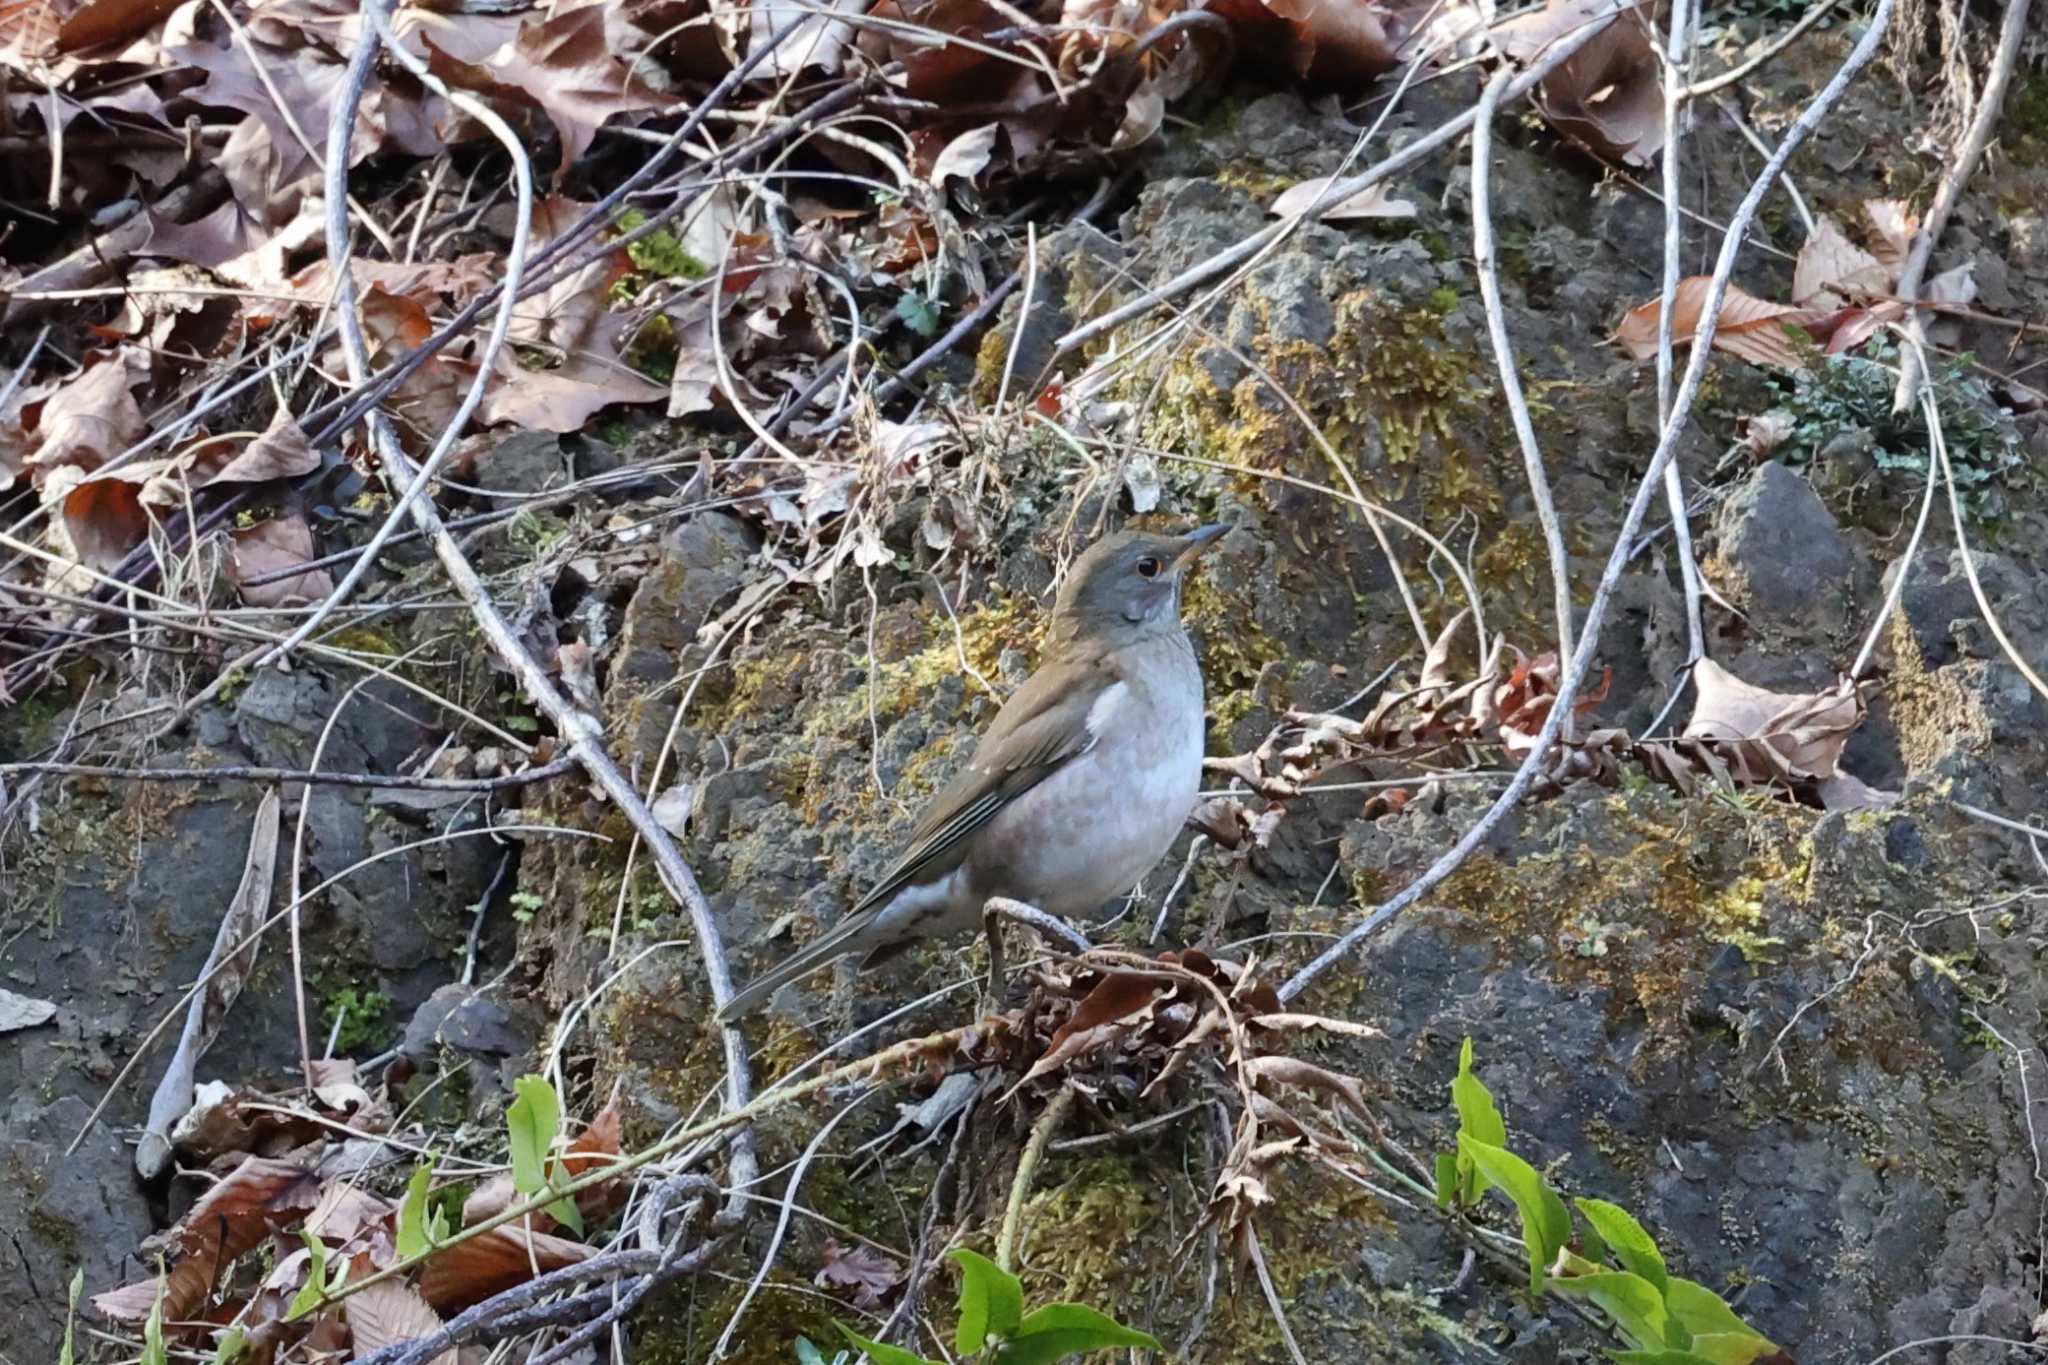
point(356, 1018)
point(2025, 121)
point(1255, 180)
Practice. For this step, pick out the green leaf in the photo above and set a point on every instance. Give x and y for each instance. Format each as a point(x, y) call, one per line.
point(1626, 1239)
point(919, 314)
point(1659, 1358)
point(880, 1354)
point(564, 1210)
point(231, 1343)
point(533, 1119)
point(991, 1301)
point(1447, 1181)
point(1731, 1348)
point(1546, 1223)
point(1057, 1330)
point(1632, 1301)
point(1478, 1117)
point(1476, 1112)
point(64, 1352)
point(308, 1297)
point(416, 1233)
point(1704, 1313)
point(153, 1352)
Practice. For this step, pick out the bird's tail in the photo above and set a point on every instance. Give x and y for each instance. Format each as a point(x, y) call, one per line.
point(842, 938)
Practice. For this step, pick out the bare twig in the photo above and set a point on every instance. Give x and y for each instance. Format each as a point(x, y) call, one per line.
point(1776, 45)
point(235, 772)
point(1203, 271)
point(1504, 358)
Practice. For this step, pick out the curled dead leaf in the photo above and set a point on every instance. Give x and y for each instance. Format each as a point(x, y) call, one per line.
point(1765, 734)
point(1831, 271)
point(1608, 95)
point(1370, 202)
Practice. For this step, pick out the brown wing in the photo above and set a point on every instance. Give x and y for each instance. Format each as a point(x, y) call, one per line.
point(1040, 729)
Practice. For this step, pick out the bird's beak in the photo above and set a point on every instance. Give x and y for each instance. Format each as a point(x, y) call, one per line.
point(1199, 540)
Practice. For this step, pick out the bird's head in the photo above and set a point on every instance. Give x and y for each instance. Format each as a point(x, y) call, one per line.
point(1126, 587)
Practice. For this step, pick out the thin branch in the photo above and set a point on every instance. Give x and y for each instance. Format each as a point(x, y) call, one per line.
point(1504, 358)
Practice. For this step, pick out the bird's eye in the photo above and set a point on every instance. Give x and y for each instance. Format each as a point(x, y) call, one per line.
point(1149, 567)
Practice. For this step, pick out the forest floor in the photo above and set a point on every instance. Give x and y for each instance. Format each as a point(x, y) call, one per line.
point(505, 517)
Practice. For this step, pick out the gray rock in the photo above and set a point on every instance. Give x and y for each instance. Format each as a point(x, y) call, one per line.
point(64, 1214)
point(1791, 561)
point(524, 462)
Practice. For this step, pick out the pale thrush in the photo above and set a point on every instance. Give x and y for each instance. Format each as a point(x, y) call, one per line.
point(1079, 785)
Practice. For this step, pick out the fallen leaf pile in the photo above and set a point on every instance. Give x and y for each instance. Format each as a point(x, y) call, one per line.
point(290, 1204)
point(185, 235)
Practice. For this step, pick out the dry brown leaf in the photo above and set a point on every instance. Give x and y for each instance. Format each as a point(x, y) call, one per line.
point(1766, 735)
point(1766, 431)
point(98, 520)
point(469, 1272)
point(1749, 328)
point(561, 64)
point(93, 416)
point(390, 1313)
point(1120, 1002)
point(862, 1269)
point(1609, 93)
point(280, 543)
point(259, 1198)
point(570, 319)
point(1844, 791)
point(334, 1084)
point(1831, 270)
point(23, 1011)
point(1894, 223)
point(1370, 202)
point(966, 156)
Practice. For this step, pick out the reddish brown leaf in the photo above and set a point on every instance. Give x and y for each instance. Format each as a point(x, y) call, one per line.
point(110, 21)
point(1749, 328)
point(1339, 42)
point(258, 1199)
point(472, 1271)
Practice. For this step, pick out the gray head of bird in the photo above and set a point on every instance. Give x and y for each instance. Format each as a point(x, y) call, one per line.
point(1126, 587)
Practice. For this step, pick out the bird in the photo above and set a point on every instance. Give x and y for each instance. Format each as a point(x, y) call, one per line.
point(1077, 788)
